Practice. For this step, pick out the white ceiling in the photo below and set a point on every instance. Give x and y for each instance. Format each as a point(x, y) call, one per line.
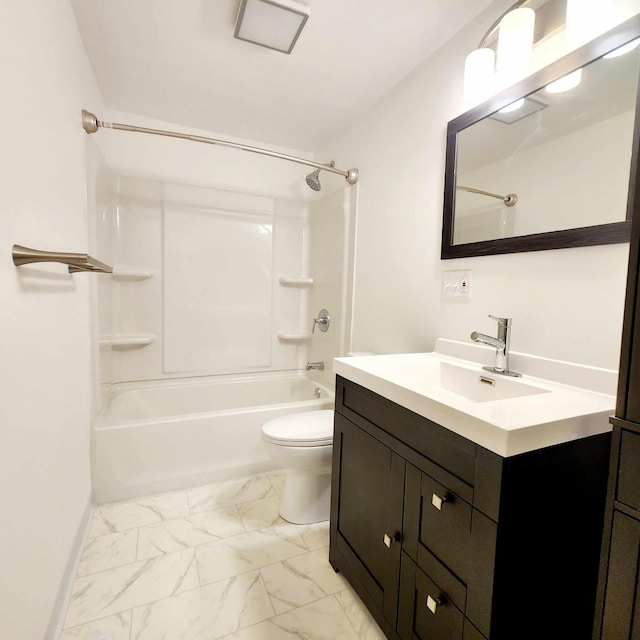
point(177, 60)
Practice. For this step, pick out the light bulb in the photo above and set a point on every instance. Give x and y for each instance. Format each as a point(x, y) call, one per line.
point(586, 19)
point(478, 74)
point(515, 39)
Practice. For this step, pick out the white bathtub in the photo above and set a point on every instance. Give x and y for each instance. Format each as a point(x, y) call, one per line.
point(170, 434)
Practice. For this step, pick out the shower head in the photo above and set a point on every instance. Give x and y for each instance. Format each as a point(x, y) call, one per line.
point(313, 179)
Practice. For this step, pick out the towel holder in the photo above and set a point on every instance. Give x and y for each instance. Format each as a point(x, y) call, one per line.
point(76, 262)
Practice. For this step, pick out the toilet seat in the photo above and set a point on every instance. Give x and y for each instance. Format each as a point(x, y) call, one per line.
point(305, 429)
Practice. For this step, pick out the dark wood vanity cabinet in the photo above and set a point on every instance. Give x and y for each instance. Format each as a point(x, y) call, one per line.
point(618, 601)
point(445, 540)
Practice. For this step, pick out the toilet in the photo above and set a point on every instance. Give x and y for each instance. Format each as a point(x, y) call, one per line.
point(301, 443)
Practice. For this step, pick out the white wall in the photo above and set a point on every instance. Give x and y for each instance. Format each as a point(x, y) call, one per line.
point(566, 304)
point(45, 374)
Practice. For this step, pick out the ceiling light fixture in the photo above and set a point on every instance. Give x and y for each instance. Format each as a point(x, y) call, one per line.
point(275, 24)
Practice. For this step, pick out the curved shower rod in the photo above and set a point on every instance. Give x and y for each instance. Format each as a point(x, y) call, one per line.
point(90, 124)
point(509, 200)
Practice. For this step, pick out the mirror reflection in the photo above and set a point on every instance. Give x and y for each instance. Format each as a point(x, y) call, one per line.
point(556, 159)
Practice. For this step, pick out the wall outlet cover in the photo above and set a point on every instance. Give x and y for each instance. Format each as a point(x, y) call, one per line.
point(456, 284)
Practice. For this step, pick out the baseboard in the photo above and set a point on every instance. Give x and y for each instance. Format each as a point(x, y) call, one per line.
point(58, 614)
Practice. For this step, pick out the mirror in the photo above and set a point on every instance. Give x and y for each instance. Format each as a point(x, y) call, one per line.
point(543, 166)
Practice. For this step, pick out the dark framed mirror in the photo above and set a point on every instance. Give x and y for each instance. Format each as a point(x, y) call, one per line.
point(537, 168)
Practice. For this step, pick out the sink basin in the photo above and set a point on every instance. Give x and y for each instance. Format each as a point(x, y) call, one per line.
point(483, 386)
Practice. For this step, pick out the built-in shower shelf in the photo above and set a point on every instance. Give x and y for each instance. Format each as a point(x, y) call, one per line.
point(129, 273)
point(127, 340)
point(295, 282)
point(294, 336)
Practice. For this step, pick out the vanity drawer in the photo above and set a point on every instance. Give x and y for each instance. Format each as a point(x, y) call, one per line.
point(441, 526)
point(427, 609)
point(629, 474)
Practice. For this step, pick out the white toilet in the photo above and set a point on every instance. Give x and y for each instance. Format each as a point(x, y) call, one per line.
point(302, 444)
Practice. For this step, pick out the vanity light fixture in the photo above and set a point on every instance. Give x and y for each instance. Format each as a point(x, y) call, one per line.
point(275, 24)
point(515, 42)
point(583, 21)
point(566, 83)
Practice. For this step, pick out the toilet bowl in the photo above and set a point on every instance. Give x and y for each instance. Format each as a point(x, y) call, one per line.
point(301, 443)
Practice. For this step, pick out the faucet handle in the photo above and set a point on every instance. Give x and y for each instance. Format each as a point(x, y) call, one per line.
point(505, 322)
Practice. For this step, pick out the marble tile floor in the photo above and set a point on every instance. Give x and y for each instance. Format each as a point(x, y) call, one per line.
point(211, 562)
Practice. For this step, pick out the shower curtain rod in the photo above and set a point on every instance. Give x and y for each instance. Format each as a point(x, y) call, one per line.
point(90, 124)
point(509, 200)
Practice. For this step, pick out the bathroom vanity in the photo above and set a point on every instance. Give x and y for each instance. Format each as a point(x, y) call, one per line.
point(462, 512)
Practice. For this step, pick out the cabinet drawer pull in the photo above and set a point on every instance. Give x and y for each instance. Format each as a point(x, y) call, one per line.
point(437, 501)
point(434, 603)
point(389, 540)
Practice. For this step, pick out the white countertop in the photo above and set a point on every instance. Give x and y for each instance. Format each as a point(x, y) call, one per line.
point(558, 413)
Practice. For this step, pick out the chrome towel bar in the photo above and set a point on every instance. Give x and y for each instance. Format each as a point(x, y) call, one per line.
point(76, 262)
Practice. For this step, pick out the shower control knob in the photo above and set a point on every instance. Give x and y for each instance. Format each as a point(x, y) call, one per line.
point(323, 321)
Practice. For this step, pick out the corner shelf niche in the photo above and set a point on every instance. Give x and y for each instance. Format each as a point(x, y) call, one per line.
point(127, 340)
point(131, 273)
point(285, 281)
point(294, 336)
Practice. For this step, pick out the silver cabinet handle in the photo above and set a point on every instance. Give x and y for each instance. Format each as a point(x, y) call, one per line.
point(389, 540)
point(437, 501)
point(434, 603)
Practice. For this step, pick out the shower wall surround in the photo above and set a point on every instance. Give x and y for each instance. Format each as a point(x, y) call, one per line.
point(206, 298)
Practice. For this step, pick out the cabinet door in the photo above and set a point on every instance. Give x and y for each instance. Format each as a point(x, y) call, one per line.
point(622, 603)
point(366, 527)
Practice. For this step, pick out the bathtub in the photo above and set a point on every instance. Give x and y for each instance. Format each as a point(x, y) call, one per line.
point(170, 434)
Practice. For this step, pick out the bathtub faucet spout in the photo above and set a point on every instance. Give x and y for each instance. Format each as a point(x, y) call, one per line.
point(315, 365)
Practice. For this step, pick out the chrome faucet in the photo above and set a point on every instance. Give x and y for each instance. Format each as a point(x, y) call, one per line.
point(500, 344)
point(315, 365)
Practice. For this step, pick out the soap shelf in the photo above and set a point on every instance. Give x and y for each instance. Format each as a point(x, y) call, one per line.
point(295, 282)
point(294, 336)
point(127, 340)
point(130, 273)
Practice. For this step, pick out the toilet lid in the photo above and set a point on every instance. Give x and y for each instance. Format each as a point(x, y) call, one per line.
point(306, 429)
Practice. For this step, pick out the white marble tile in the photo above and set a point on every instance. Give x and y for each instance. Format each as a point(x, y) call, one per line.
point(300, 580)
point(223, 494)
point(316, 535)
point(258, 514)
point(277, 481)
point(132, 585)
point(116, 627)
point(359, 617)
point(189, 531)
point(247, 551)
point(107, 552)
point(119, 516)
point(320, 620)
point(205, 613)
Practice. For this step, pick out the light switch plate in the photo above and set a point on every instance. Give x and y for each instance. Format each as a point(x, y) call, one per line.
point(456, 284)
